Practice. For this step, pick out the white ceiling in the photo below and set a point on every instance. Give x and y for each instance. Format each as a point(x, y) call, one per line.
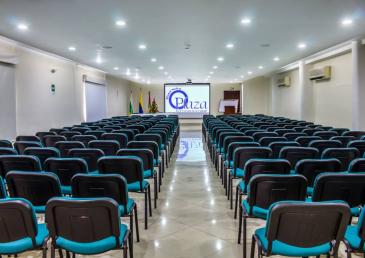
point(166, 25)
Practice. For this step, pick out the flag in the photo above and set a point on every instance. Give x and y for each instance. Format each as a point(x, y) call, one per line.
point(140, 106)
point(131, 111)
point(149, 102)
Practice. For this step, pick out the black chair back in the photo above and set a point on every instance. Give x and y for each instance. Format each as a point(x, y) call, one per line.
point(20, 146)
point(90, 156)
point(65, 146)
point(7, 151)
point(109, 147)
point(295, 154)
point(18, 163)
point(345, 155)
point(43, 153)
point(85, 139)
point(51, 140)
point(121, 138)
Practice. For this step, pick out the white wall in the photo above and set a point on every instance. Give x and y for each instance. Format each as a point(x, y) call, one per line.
point(118, 93)
point(256, 96)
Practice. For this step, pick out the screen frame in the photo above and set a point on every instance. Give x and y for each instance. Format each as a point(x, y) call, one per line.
point(184, 84)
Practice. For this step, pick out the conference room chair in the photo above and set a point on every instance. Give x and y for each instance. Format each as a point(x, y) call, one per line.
point(305, 140)
point(65, 169)
point(41, 135)
point(343, 139)
point(358, 144)
point(7, 151)
point(257, 166)
point(93, 128)
point(6, 144)
point(300, 129)
point(340, 131)
point(87, 226)
point(43, 153)
point(109, 147)
point(253, 131)
point(122, 139)
point(265, 141)
point(347, 187)
point(276, 147)
point(90, 155)
point(167, 142)
point(19, 230)
point(146, 156)
point(293, 136)
point(131, 168)
point(27, 138)
point(128, 132)
point(112, 186)
point(281, 132)
point(326, 135)
point(287, 232)
point(51, 140)
point(219, 147)
point(112, 127)
point(354, 238)
point(69, 134)
point(311, 168)
point(20, 146)
point(57, 130)
point(345, 155)
point(18, 163)
point(295, 154)
point(257, 136)
point(321, 145)
point(311, 131)
point(37, 188)
point(3, 193)
point(264, 190)
point(65, 146)
point(81, 130)
point(85, 139)
point(96, 133)
point(357, 165)
point(324, 128)
point(140, 128)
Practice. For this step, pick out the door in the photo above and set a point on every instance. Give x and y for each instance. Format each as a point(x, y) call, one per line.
point(233, 94)
point(95, 95)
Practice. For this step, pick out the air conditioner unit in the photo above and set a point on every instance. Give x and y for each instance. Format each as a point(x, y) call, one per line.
point(283, 81)
point(320, 74)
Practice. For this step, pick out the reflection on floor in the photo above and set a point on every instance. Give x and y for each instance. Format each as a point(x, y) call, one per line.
point(193, 219)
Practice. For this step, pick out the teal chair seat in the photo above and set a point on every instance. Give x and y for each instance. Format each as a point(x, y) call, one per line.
point(352, 236)
point(135, 187)
point(156, 162)
point(280, 248)
point(66, 189)
point(309, 190)
point(130, 205)
point(96, 247)
point(229, 165)
point(148, 173)
point(162, 147)
point(25, 244)
point(256, 211)
point(239, 172)
point(39, 209)
point(242, 186)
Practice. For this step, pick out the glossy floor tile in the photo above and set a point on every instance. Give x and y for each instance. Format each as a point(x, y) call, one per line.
point(193, 218)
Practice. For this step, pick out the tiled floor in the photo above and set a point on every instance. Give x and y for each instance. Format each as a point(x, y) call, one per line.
point(193, 219)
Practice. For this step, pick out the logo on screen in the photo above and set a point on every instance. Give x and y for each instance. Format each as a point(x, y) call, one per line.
point(178, 98)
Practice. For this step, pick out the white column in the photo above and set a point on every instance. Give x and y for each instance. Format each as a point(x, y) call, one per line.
point(358, 86)
point(306, 108)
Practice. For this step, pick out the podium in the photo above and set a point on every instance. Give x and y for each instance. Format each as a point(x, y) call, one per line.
point(228, 106)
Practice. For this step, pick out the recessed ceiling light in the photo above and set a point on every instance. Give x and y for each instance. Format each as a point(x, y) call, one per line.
point(22, 26)
point(346, 22)
point(302, 45)
point(246, 21)
point(215, 67)
point(276, 58)
point(72, 48)
point(229, 45)
point(142, 46)
point(148, 82)
point(98, 60)
point(211, 72)
point(242, 76)
point(153, 60)
point(208, 76)
point(161, 67)
point(260, 67)
point(165, 73)
point(128, 72)
point(116, 68)
point(249, 72)
point(120, 23)
point(220, 59)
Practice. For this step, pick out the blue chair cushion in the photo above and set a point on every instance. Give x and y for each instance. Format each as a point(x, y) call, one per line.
point(25, 244)
point(353, 238)
point(156, 162)
point(242, 186)
point(66, 189)
point(309, 190)
point(280, 248)
point(39, 209)
point(230, 164)
point(256, 211)
point(162, 147)
point(239, 172)
point(135, 187)
point(355, 211)
point(96, 247)
point(148, 173)
point(129, 207)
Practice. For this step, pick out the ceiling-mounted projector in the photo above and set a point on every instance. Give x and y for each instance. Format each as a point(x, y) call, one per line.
point(189, 81)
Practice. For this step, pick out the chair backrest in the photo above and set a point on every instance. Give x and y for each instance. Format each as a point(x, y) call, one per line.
point(345, 155)
point(66, 168)
point(18, 221)
point(340, 131)
point(7, 151)
point(27, 138)
point(112, 186)
point(234, 145)
point(237, 138)
point(311, 131)
point(18, 163)
point(305, 224)
point(3, 193)
point(38, 188)
point(51, 140)
point(305, 140)
point(145, 145)
point(43, 153)
point(265, 141)
point(69, 134)
point(90, 155)
point(65, 146)
point(85, 139)
point(20, 146)
point(266, 189)
point(348, 187)
point(293, 136)
point(5, 144)
point(257, 166)
point(149, 137)
point(326, 135)
point(257, 136)
point(121, 138)
point(295, 154)
point(83, 220)
point(321, 145)
point(145, 154)
point(96, 133)
point(128, 132)
point(311, 168)
point(276, 147)
point(357, 165)
point(109, 147)
point(358, 144)
point(243, 154)
point(357, 134)
point(281, 132)
point(41, 135)
point(343, 139)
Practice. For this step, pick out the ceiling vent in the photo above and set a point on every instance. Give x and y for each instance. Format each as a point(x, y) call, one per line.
point(283, 81)
point(320, 74)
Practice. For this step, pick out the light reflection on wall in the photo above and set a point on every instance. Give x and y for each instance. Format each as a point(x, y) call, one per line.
point(191, 149)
